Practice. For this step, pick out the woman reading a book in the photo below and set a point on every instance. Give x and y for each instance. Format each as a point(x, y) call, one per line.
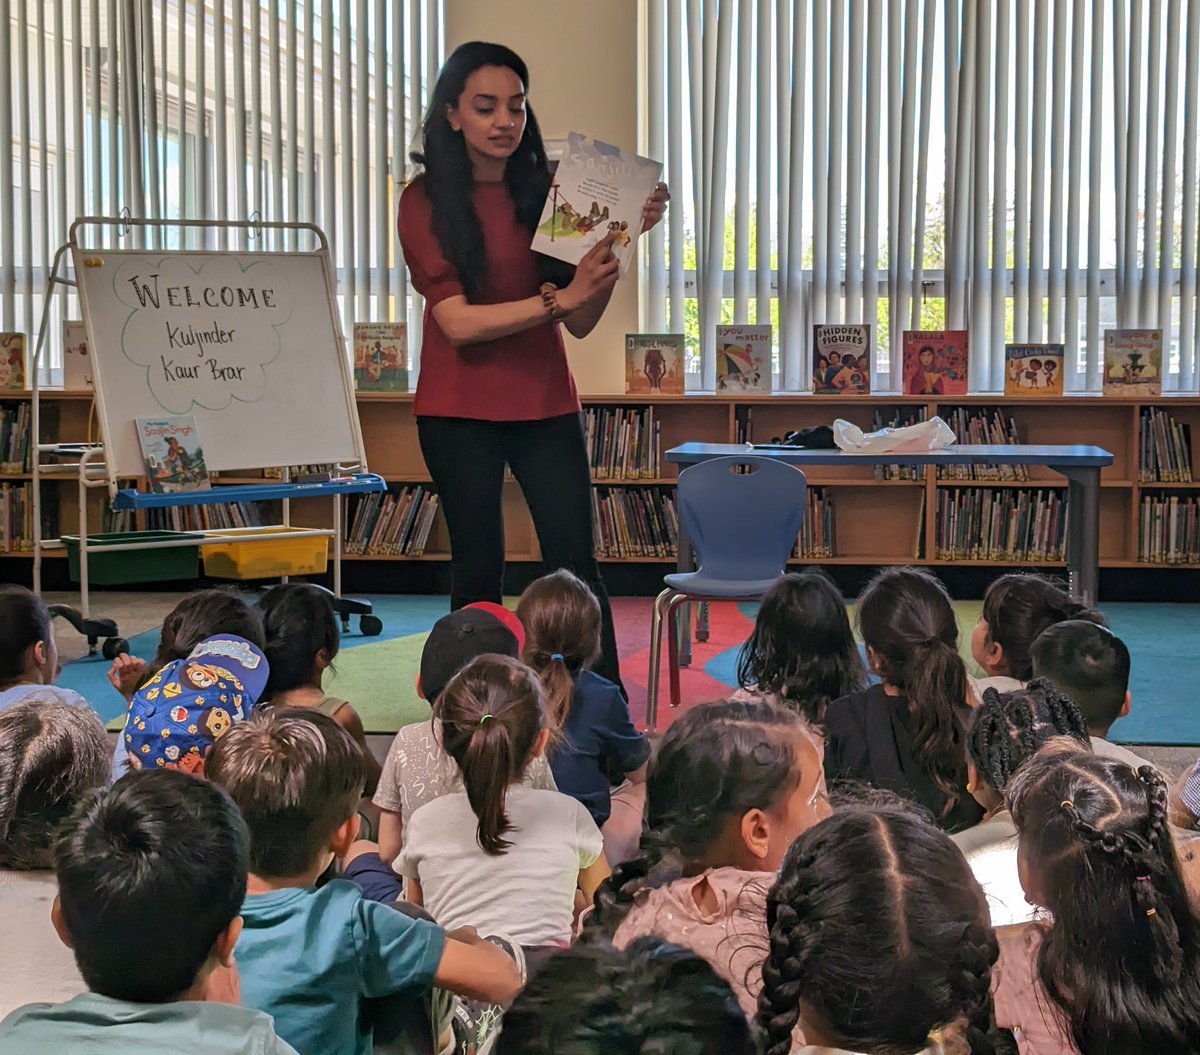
point(495, 388)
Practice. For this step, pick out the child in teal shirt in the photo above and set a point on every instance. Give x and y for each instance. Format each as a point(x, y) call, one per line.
point(311, 956)
point(151, 874)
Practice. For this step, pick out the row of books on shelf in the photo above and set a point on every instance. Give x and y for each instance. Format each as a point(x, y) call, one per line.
point(933, 362)
point(1169, 530)
point(15, 421)
point(995, 524)
point(392, 523)
point(816, 538)
point(982, 425)
point(16, 517)
point(635, 522)
point(1166, 450)
point(623, 443)
point(898, 418)
point(220, 516)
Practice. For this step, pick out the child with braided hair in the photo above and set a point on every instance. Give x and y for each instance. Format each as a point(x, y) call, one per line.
point(1007, 730)
point(1115, 969)
point(731, 785)
point(879, 942)
point(499, 856)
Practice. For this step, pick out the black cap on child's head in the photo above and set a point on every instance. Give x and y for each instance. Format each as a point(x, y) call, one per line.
point(458, 638)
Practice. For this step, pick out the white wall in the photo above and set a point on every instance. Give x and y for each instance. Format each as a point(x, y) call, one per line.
point(583, 71)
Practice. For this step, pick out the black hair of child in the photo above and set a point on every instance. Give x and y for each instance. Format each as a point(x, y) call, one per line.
point(299, 622)
point(150, 872)
point(651, 999)
point(200, 615)
point(24, 621)
point(1090, 664)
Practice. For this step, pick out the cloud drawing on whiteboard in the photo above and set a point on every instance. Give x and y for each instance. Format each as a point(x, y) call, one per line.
point(204, 335)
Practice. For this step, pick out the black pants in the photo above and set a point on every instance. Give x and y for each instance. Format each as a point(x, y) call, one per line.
point(466, 460)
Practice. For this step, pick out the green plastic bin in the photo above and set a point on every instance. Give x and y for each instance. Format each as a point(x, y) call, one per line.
point(134, 565)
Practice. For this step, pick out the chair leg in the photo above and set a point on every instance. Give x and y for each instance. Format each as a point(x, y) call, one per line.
point(652, 678)
point(684, 621)
point(673, 606)
point(702, 621)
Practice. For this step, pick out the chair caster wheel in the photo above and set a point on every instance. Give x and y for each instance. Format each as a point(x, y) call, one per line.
point(370, 626)
point(113, 647)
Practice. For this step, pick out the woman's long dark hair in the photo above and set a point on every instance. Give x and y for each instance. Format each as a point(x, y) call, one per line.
point(491, 714)
point(1018, 606)
point(448, 178)
point(906, 617)
point(878, 926)
point(802, 648)
point(1121, 954)
point(717, 761)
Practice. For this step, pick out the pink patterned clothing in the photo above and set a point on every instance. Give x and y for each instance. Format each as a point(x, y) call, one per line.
point(733, 938)
point(1022, 1003)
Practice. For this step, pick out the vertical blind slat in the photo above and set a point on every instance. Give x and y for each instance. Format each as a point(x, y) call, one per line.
point(980, 305)
point(871, 167)
point(743, 154)
point(999, 230)
point(820, 160)
point(674, 158)
point(1021, 177)
point(1148, 300)
point(916, 284)
point(1170, 139)
point(854, 173)
point(763, 119)
point(1187, 247)
point(1095, 198)
point(833, 202)
point(1037, 158)
point(653, 307)
point(1127, 302)
point(1073, 380)
point(1058, 142)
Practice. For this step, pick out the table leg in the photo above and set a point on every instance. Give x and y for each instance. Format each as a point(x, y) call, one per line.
point(1083, 533)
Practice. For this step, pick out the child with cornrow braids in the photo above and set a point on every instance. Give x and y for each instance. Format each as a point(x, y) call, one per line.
point(731, 785)
point(1007, 730)
point(1115, 969)
point(879, 942)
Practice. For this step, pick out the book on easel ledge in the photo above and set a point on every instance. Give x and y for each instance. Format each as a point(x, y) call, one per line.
point(172, 454)
point(743, 360)
point(380, 357)
point(596, 189)
point(1034, 369)
point(12, 361)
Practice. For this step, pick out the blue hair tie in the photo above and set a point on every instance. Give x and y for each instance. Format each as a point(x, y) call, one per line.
point(555, 655)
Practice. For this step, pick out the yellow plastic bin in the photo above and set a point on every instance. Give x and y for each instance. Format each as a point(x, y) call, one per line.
point(244, 557)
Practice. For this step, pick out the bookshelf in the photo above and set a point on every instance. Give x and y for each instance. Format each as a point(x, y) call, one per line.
point(1145, 523)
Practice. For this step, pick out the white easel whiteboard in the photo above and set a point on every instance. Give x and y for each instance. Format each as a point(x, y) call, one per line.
point(247, 343)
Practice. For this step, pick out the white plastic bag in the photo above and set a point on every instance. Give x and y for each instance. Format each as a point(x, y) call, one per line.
point(931, 435)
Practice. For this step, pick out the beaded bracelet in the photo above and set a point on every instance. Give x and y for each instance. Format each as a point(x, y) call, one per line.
point(549, 292)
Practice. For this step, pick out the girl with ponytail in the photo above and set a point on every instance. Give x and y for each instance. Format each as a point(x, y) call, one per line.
point(1115, 966)
point(908, 734)
point(596, 745)
point(499, 856)
point(731, 785)
point(879, 942)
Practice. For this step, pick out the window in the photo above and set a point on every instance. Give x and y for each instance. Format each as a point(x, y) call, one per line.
point(1026, 170)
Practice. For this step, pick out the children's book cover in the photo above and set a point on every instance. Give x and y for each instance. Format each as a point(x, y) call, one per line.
point(12, 361)
point(743, 359)
point(1132, 362)
point(77, 366)
point(596, 189)
point(654, 364)
point(935, 362)
point(841, 360)
point(1034, 369)
point(172, 454)
point(380, 357)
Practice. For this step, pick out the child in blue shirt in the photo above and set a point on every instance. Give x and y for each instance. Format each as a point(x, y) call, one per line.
point(311, 956)
point(594, 743)
point(151, 874)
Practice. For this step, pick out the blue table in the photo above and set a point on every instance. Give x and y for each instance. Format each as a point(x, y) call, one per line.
point(1080, 465)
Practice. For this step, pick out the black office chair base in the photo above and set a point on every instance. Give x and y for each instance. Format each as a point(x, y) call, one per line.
point(369, 625)
point(93, 629)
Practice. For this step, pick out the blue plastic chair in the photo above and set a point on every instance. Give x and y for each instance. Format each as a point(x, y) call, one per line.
point(743, 527)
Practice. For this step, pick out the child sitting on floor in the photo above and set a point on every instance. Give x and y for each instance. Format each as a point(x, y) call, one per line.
point(418, 769)
point(499, 856)
point(1007, 730)
point(302, 641)
point(802, 653)
point(880, 942)
point(310, 956)
point(1115, 968)
point(595, 744)
point(28, 654)
point(1016, 608)
point(651, 999)
point(151, 875)
point(200, 615)
point(731, 785)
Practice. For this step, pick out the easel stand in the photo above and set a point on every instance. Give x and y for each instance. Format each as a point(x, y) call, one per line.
point(326, 426)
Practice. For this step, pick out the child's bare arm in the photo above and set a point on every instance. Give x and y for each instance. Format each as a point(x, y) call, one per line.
point(591, 877)
point(480, 971)
point(391, 835)
point(347, 717)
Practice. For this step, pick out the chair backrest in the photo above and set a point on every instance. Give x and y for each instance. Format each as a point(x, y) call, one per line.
point(743, 525)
